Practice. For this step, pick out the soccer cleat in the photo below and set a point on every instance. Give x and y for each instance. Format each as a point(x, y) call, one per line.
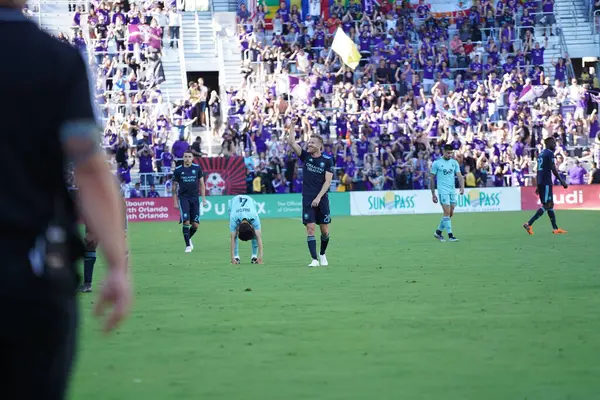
point(439, 237)
point(237, 260)
point(188, 249)
point(254, 260)
point(314, 263)
point(559, 231)
point(452, 239)
point(528, 228)
point(191, 244)
point(85, 288)
point(323, 260)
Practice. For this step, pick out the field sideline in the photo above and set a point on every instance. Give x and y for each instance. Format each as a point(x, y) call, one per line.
point(397, 315)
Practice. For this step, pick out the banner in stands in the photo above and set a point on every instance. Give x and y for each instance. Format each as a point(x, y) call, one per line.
point(269, 206)
point(223, 175)
point(155, 209)
point(580, 196)
point(419, 201)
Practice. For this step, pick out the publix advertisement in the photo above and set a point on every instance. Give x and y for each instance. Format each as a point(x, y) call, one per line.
point(419, 201)
point(352, 203)
point(269, 206)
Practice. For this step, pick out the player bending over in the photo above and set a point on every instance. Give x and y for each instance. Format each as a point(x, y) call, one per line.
point(317, 174)
point(545, 169)
point(443, 171)
point(186, 180)
point(244, 224)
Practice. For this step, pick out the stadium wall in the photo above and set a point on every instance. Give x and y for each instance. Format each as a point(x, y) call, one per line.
point(376, 203)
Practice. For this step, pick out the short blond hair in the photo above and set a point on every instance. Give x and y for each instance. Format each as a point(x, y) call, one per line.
point(319, 138)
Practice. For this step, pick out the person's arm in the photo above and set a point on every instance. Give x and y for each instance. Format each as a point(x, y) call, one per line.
point(557, 175)
point(99, 199)
point(232, 247)
point(461, 182)
point(292, 141)
point(175, 189)
point(260, 246)
point(324, 189)
point(203, 191)
point(432, 179)
point(590, 178)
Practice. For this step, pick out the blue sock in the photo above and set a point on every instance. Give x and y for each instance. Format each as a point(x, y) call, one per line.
point(254, 248)
point(193, 231)
point(324, 243)
point(88, 266)
point(552, 216)
point(449, 225)
point(535, 217)
point(186, 234)
point(312, 246)
point(442, 225)
point(236, 253)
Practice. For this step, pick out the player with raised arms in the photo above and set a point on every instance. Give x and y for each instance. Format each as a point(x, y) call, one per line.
point(244, 224)
point(317, 174)
point(187, 178)
point(443, 172)
point(545, 169)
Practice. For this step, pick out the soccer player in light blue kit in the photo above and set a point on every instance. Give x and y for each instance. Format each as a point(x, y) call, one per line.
point(244, 224)
point(443, 171)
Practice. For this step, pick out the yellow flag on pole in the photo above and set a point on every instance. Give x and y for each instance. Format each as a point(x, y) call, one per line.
point(346, 49)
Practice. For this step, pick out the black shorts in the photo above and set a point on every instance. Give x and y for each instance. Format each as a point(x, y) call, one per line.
point(545, 193)
point(319, 215)
point(189, 209)
point(37, 343)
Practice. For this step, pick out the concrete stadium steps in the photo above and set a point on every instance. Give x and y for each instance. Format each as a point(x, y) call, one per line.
point(198, 43)
point(174, 84)
point(576, 28)
point(54, 17)
point(232, 59)
point(224, 5)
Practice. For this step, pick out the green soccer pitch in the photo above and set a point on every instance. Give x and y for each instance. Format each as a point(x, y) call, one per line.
point(397, 315)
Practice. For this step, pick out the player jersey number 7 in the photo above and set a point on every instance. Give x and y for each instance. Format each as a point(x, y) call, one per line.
point(243, 207)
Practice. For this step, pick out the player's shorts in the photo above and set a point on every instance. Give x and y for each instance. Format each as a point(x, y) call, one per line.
point(448, 199)
point(545, 193)
point(320, 215)
point(189, 209)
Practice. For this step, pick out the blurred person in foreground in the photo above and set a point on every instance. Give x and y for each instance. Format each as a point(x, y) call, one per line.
point(40, 240)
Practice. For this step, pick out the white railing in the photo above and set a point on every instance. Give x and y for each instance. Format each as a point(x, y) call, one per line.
point(197, 23)
point(182, 69)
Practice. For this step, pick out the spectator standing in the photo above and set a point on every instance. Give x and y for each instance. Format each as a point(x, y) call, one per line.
point(136, 192)
point(594, 175)
point(203, 93)
point(577, 174)
point(180, 146)
point(174, 27)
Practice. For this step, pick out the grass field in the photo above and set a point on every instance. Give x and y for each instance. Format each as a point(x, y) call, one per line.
point(397, 315)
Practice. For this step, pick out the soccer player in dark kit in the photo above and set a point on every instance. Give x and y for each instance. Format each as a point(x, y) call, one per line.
point(317, 174)
point(187, 178)
point(91, 244)
point(545, 170)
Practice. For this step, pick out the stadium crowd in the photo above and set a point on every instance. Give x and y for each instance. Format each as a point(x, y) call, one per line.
point(475, 79)
point(424, 80)
point(124, 43)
